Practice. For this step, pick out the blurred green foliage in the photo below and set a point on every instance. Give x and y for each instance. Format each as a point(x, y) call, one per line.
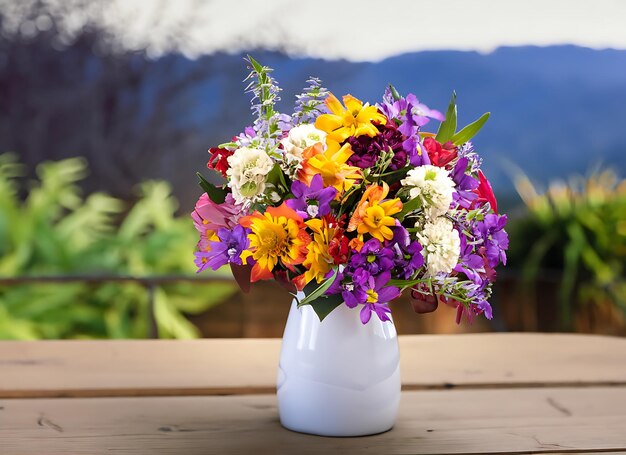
point(577, 229)
point(52, 230)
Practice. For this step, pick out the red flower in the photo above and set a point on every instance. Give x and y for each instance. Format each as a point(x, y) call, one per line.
point(219, 160)
point(440, 155)
point(485, 193)
point(339, 248)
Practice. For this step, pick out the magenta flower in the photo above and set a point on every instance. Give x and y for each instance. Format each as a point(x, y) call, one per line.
point(208, 215)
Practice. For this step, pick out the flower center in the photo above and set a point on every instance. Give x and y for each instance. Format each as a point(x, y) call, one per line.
point(372, 296)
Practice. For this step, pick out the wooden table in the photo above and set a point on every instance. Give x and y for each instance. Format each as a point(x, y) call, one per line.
point(487, 393)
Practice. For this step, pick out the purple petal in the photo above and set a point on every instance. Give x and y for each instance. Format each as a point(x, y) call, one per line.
point(366, 314)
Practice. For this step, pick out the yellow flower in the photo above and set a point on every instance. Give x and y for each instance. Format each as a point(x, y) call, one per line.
point(318, 260)
point(277, 235)
point(331, 165)
point(353, 120)
point(373, 216)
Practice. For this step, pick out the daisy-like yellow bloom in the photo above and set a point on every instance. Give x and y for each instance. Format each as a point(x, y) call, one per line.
point(373, 215)
point(318, 260)
point(331, 165)
point(356, 119)
point(277, 235)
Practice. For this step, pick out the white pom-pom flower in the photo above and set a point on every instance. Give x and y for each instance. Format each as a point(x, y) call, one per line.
point(433, 186)
point(301, 137)
point(441, 245)
point(248, 173)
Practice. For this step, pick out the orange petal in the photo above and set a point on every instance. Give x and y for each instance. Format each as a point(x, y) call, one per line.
point(334, 105)
point(353, 104)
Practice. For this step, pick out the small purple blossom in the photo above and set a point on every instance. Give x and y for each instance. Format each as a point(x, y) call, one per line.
point(374, 257)
point(408, 258)
point(378, 294)
point(465, 184)
point(228, 249)
point(311, 201)
point(495, 239)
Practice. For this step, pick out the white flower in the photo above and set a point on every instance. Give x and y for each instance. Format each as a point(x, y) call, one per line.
point(301, 137)
point(248, 172)
point(433, 186)
point(441, 245)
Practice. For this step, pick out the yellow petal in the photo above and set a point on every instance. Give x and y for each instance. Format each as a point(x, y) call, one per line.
point(352, 104)
point(328, 122)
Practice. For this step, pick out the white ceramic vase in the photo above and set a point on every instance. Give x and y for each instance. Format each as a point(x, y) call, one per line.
point(338, 377)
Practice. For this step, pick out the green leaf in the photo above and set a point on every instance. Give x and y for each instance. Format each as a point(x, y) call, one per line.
point(470, 130)
point(217, 195)
point(404, 283)
point(448, 126)
point(324, 306)
point(277, 177)
point(256, 65)
point(319, 292)
point(408, 207)
point(394, 92)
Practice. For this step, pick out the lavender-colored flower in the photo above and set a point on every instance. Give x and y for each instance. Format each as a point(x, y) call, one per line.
point(311, 201)
point(467, 151)
point(228, 249)
point(465, 184)
point(310, 103)
point(408, 258)
point(408, 109)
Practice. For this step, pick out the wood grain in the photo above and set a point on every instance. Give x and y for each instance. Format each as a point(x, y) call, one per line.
point(548, 420)
point(234, 366)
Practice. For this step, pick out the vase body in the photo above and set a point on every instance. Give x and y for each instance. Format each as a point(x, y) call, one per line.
point(338, 377)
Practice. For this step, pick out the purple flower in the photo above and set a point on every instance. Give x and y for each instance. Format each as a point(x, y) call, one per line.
point(374, 257)
point(408, 258)
point(377, 297)
point(412, 115)
point(470, 263)
point(495, 239)
point(228, 249)
point(465, 184)
point(311, 201)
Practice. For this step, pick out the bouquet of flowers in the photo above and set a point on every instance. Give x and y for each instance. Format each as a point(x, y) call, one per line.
point(353, 203)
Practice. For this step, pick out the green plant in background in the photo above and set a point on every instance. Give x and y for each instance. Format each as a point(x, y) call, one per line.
point(54, 231)
point(578, 227)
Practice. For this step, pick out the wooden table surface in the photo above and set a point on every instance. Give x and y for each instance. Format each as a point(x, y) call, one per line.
point(487, 393)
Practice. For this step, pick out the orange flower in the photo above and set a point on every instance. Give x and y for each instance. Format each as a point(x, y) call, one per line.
point(373, 215)
point(277, 235)
point(331, 165)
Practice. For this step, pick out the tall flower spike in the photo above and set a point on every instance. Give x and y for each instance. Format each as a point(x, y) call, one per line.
point(310, 103)
point(265, 91)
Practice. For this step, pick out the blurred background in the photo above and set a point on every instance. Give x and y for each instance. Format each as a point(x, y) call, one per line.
point(107, 109)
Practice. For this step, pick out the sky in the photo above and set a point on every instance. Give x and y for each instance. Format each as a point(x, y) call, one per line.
point(365, 30)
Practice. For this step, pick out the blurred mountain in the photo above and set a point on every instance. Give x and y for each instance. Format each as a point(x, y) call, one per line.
point(555, 110)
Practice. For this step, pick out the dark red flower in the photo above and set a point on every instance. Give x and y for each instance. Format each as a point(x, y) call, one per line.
point(440, 155)
point(219, 160)
point(485, 193)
